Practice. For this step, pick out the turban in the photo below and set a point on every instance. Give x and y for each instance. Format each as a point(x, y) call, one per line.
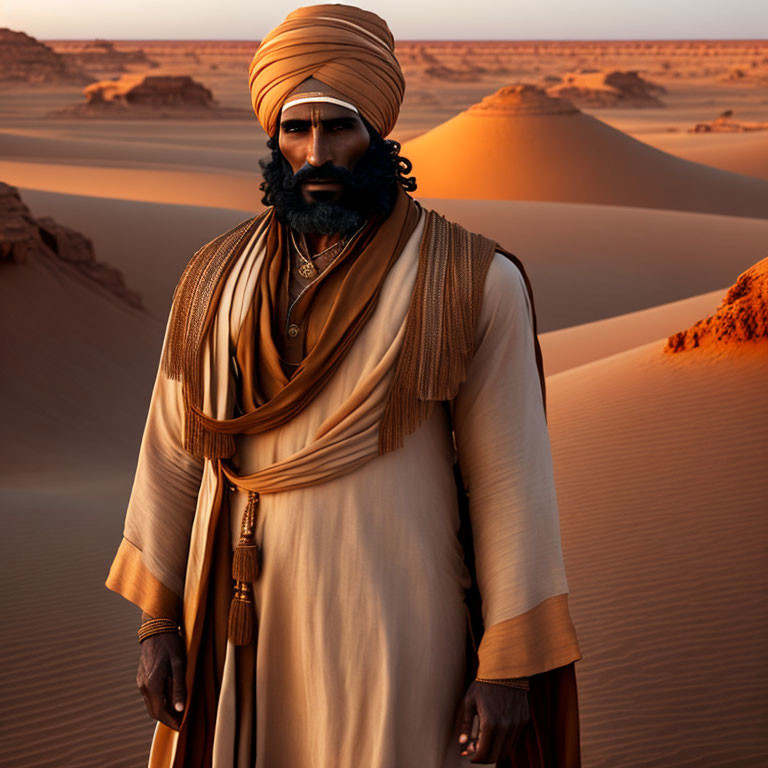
point(346, 48)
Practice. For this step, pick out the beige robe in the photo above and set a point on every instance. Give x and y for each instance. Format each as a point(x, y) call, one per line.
point(361, 619)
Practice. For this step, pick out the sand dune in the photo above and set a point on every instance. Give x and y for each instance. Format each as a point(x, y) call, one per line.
point(216, 190)
point(520, 144)
point(590, 262)
point(660, 469)
point(582, 344)
point(150, 243)
point(745, 153)
point(586, 262)
point(74, 385)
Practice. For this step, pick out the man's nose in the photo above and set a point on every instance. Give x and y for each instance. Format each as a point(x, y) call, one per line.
point(318, 152)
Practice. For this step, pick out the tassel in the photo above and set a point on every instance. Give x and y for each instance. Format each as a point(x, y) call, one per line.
point(245, 569)
point(242, 618)
point(245, 563)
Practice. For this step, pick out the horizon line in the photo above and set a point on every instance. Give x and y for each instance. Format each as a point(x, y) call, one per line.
point(429, 40)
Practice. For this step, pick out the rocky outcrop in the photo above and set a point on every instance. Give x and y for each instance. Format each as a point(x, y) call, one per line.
point(724, 124)
point(24, 60)
point(598, 89)
point(148, 96)
point(741, 318)
point(522, 99)
point(24, 237)
point(102, 56)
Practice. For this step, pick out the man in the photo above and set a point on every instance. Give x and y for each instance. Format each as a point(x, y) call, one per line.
point(295, 507)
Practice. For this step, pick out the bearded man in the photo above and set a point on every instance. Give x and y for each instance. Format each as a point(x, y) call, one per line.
point(335, 372)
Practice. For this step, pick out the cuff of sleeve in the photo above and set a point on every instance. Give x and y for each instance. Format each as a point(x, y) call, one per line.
point(536, 641)
point(129, 577)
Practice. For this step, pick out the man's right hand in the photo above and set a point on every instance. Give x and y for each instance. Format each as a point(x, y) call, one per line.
point(162, 677)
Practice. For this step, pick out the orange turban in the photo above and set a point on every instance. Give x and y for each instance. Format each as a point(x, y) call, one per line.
point(346, 48)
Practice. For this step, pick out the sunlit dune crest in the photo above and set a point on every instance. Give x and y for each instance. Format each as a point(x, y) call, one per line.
point(522, 99)
point(741, 317)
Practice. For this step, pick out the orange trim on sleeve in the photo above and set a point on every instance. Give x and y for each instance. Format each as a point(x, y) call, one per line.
point(129, 577)
point(538, 640)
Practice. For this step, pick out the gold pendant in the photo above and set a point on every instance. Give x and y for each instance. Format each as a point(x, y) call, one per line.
point(308, 270)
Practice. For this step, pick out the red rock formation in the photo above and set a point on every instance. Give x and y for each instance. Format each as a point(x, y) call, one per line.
point(741, 317)
point(101, 56)
point(724, 124)
point(25, 60)
point(149, 96)
point(23, 237)
point(596, 88)
point(153, 91)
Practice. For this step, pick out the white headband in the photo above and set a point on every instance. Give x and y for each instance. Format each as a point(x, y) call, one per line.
point(326, 99)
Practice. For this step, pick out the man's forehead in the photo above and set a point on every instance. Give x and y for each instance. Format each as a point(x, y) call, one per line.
point(316, 110)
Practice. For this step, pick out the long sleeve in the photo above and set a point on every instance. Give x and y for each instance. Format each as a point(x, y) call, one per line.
point(506, 463)
point(150, 564)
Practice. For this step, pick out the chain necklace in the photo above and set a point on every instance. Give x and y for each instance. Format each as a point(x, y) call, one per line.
point(347, 241)
point(307, 269)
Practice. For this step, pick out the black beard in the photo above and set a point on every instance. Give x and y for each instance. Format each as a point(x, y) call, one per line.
point(368, 191)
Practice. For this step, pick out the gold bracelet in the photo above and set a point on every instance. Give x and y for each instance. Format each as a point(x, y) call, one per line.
point(511, 682)
point(157, 626)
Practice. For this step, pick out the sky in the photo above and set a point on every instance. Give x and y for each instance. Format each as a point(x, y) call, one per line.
point(408, 19)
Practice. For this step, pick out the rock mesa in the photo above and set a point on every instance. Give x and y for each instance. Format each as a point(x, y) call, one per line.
point(26, 60)
point(598, 88)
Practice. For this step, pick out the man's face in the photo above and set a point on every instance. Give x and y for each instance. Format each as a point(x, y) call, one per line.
point(317, 134)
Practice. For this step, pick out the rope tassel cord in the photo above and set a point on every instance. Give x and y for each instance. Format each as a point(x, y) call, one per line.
point(245, 570)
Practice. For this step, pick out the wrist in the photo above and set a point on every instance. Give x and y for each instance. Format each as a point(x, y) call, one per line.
point(521, 683)
point(156, 626)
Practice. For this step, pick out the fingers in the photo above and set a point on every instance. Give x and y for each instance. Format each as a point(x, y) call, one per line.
point(155, 687)
point(179, 686)
point(467, 712)
point(486, 740)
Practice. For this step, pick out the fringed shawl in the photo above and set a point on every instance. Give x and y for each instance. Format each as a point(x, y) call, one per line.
point(439, 336)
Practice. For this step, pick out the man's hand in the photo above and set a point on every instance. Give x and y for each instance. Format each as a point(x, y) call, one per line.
point(161, 677)
point(503, 714)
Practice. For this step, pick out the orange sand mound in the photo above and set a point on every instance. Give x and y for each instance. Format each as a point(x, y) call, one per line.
point(742, 316)
point(660, 471)
point(581, 344)
point(516, 144)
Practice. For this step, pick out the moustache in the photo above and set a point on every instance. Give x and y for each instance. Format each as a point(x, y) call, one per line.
point(326, 172)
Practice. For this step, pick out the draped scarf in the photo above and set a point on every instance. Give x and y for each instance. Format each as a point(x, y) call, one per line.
point(345, 299)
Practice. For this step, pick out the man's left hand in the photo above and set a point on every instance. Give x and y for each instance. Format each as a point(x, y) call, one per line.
point(503, 713)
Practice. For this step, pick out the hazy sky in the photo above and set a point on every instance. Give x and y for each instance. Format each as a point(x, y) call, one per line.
point(408, 19)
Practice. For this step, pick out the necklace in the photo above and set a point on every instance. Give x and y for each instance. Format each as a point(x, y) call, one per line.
point(307, 269)
point(347, 241)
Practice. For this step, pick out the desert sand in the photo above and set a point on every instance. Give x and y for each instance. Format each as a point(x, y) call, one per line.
point(522, 144)
point(633, 230)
